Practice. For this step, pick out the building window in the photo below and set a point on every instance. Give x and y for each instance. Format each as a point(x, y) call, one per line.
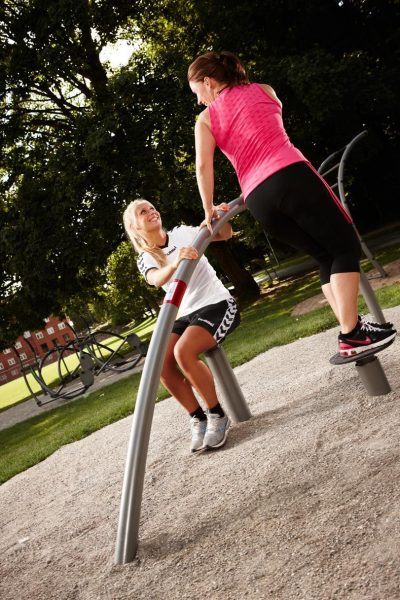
point(1, 366)
point(66, 337)
point(14, 372)
point(46, 320)
point(44, 347)
point(50, 330)
point(3, 377)
point(61, 325)
point(11, 361)
point(6, 351)
point(23, 356)
point(39, 335)
point(27, 334)
point(18, 345)
point(56, 343)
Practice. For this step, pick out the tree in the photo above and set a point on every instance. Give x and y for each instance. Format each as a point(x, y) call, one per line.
point(79, 140)
point(127, 296)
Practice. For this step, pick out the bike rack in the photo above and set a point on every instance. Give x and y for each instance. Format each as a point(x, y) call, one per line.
point(132, 490)
point(368, 365)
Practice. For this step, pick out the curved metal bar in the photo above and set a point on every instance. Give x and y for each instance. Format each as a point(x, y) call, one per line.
point(342, 164)
point(132, 490)
point(365, 286)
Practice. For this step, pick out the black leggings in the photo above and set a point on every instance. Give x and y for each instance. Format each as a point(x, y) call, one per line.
point(296, 206)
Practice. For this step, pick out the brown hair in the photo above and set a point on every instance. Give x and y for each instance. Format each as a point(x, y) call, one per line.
point(138, 242)
point(223, 66)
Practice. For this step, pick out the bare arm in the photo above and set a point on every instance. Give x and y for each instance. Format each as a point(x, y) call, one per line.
point(159, 277)
point(205, 148)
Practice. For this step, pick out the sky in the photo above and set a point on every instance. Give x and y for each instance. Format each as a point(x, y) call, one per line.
point(117, 54)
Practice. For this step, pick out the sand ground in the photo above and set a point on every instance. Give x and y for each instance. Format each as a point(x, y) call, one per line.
point(302, 503)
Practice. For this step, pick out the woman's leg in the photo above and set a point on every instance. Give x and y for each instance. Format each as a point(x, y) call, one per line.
point(296, 207)
point(193, 342)
point(344, 290)
point(173, 379)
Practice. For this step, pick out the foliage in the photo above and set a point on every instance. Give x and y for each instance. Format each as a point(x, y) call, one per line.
point(79, 139)
point(127, 295)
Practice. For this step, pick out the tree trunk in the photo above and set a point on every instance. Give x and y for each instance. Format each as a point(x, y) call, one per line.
point(246, 289)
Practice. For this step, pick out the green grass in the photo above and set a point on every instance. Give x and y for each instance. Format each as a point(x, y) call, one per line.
point(30, 442)
point(265, 324)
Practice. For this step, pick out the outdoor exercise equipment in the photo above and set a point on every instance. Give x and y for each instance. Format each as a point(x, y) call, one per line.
point(366, 290)
point(367, 364)
point(234, 402)
point(132, 491)
point(369, 369)
point(81, 358)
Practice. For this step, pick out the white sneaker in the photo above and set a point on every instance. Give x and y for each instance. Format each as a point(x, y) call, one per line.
point(198, 430)
point(217, 431)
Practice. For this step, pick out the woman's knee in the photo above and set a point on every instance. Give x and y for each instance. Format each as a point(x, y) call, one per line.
point(184, 355)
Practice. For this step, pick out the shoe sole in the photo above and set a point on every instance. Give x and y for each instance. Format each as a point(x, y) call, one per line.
point(197, 450)
point(361, 349)
point(222, 442)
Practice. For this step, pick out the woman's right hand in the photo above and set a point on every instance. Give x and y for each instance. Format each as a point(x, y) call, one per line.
point(186, 252)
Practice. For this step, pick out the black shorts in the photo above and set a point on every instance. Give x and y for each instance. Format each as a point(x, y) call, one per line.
point(219, 319)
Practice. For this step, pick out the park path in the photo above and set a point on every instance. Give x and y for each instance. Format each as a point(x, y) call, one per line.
point(303, 502)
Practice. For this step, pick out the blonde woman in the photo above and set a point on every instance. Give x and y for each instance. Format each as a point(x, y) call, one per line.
point(207, 314)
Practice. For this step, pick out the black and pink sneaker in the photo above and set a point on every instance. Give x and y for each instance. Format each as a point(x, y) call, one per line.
point(363, 337)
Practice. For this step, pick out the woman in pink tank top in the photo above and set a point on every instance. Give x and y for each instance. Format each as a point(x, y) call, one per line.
point(281, 188)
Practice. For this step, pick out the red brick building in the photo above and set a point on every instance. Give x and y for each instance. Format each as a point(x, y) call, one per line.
point(54, 333)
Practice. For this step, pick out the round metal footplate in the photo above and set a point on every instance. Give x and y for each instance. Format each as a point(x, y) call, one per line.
point(359, 359)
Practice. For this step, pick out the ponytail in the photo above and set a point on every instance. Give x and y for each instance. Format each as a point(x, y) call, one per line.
point(223, 66)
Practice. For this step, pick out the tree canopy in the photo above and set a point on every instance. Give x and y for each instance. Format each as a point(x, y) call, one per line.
point(79, 139)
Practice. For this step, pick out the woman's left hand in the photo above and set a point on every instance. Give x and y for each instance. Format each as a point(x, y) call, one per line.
point(212, 213)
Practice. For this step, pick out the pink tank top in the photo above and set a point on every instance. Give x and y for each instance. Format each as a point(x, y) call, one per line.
point(248, 128)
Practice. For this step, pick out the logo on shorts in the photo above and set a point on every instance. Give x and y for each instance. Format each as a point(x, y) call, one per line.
point(205, 321)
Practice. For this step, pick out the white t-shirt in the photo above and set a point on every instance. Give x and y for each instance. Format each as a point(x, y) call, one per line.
point(204, 287)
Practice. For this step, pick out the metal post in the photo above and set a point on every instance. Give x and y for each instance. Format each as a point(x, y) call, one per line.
point(132, 490)
point(365, 287)
point(370, 299)
point(234, 400)
point(342, 195)
point(373, 376)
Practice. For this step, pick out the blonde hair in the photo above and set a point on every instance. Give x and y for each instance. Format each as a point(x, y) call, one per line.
point(139, 243)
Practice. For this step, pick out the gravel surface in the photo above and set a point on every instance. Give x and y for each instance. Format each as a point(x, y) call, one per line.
point(302, 503)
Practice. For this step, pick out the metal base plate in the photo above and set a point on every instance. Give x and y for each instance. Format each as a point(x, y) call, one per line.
point(336, 359)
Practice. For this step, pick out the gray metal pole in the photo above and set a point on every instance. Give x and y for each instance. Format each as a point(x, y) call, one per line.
point(365, 286)
point(234, 400)
point(132, 490)
point(342, 195)
point(370, 298)
point(373, 376)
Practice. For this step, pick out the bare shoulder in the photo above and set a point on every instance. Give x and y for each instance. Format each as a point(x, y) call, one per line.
point(204, 118)
point(270, 91)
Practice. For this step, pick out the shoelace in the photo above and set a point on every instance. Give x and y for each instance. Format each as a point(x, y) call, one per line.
point(364, 321)
point(366, 326)
point(213, 424)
